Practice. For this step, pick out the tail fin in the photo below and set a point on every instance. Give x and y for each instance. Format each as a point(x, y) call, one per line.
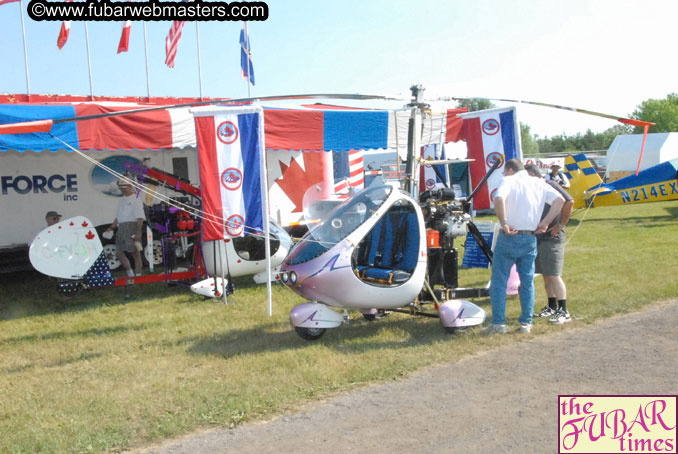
point(582, 176)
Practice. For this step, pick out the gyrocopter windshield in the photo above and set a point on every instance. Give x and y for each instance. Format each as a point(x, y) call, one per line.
point(341, 222)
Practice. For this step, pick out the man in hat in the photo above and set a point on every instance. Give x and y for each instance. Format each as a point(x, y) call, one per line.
point(52, 217)
point(129, 220)
point(557, 176)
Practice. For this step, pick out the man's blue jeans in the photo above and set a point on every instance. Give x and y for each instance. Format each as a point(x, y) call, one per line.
point(519, 249)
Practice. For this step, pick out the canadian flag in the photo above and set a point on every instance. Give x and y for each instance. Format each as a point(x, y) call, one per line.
point(63, 34)
point(124, 38)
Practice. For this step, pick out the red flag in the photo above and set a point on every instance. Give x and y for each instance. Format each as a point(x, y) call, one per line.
point(172, 42)
point(454, 131)
point(2, 2)
point(63, 34)
point(123, 46)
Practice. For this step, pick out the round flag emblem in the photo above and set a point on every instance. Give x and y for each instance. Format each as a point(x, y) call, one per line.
point(235, 225)
point(492, 194)
point(491, 127)
point(430, 183)
point(492, 157)
point(227, 132)
point(231, 179)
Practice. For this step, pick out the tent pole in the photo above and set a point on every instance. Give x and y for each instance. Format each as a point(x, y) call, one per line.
point(197, 38)
point(89, 64)
point(148, 80)
point(23, 32)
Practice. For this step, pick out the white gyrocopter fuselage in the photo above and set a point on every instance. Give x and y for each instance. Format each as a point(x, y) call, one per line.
point(369, 254)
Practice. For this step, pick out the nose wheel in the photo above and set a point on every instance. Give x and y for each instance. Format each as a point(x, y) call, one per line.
point(310, 333)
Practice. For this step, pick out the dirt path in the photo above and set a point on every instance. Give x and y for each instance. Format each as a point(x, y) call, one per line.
point(504, 400)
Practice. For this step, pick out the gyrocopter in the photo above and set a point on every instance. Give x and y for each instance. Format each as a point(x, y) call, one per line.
point(384, 250)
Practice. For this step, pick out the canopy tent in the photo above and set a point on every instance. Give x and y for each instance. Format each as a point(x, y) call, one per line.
point(301, 128)
point(291, 133)
point(624, 152)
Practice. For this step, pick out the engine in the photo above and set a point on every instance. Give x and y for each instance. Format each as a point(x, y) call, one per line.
point(444, 214)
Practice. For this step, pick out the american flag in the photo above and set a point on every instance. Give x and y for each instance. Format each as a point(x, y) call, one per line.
point(172, 42)
point(348, 171)
point(123, 46)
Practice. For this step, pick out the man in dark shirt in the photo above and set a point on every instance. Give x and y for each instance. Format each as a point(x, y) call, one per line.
point(551, 256)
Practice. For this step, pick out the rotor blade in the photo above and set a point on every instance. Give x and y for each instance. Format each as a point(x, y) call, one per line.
point(26, 127)
point(40, 125)
point(627, 121)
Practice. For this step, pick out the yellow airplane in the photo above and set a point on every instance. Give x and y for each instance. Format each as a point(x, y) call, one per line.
point(655, 184)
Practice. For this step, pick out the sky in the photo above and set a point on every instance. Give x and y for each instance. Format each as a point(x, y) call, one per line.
point(599, 55)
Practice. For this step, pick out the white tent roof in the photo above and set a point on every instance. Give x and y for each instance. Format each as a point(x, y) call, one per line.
point(623, 154)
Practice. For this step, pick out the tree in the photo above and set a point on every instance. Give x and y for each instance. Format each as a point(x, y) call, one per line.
point(662, 112)
point(530, 147)
point(474, 104)
point(588, 141)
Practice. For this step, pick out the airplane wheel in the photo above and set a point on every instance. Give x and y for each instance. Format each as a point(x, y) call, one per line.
point(310, 333)
point(453, 330)
point(155, 254)
point(111, 257)
point(381, 313)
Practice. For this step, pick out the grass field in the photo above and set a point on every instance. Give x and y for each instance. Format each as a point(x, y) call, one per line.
point(93, 373)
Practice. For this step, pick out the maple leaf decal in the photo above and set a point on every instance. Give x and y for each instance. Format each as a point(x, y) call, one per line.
point(295, 180)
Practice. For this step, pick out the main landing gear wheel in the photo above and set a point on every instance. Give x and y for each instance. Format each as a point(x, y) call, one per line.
point(453, 330)
point(381, 313)
point(310, 333)
point(154, 253)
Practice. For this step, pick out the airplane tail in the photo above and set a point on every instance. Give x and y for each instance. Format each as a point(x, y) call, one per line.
point(582, 176)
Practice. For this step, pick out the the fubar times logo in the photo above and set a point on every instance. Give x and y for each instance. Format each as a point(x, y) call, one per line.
point(617, 424)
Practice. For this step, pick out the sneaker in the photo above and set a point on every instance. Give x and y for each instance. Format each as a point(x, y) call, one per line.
point(494, 329)
point(525, 328)
point(560, 317)
point(546, 312)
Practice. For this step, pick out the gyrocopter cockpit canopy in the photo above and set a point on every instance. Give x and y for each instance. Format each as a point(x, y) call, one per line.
point(341, 222)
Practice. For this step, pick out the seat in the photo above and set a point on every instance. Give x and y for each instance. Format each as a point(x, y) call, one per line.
point(391, 250)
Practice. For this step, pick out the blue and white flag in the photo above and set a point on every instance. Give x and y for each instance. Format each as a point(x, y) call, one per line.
point(230, 162)
point(490, 135)
point(246, 55)
point(428, 178)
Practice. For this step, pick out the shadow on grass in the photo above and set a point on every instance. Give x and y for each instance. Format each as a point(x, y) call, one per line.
point(73, 334)
point(30, 294)
point(63, 362)
point(356, 338)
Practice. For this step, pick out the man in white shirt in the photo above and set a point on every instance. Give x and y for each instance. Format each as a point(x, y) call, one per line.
point(518, 202)
point(129, 220)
